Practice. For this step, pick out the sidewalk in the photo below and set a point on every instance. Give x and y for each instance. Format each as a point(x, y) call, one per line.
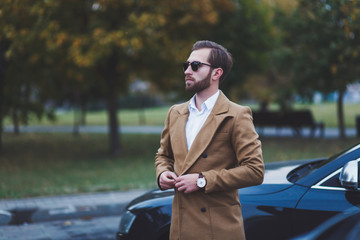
point(89, 129)
point(18, 216)
point(266, 132)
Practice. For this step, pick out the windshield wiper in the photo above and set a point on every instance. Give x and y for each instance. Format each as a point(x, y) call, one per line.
point(303, 170)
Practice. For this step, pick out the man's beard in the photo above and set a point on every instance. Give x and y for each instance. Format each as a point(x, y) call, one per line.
point(199, 85)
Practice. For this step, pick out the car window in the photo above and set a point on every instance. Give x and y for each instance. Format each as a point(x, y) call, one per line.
point(333, 181)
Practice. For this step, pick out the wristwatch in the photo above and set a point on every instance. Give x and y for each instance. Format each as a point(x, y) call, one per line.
point(201, 181)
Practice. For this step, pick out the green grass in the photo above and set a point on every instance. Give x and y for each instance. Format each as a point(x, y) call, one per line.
point(153, 117)
point(51, 164)
point(325, 112)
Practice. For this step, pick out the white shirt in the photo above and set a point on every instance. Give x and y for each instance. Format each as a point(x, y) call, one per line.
point(197, 118)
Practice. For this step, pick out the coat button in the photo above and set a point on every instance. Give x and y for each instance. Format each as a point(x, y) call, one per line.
point(203, 209)
point(204, 155)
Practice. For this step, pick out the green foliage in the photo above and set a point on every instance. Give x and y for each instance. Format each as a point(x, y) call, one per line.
point(22, 75)
point(326, 48)
point(272, 83)
point(53, 52)
point(77, 51)
point(247, 32)
point(325, 39)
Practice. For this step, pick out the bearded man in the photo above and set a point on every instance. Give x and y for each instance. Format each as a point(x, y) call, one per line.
point(208, 150)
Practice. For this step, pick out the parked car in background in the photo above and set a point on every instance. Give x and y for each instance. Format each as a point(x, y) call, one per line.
point(296, 197)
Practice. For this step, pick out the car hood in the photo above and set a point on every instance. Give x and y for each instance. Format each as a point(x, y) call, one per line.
point(152, 198)
point(275, 178)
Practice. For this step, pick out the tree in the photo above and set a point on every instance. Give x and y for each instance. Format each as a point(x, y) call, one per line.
point(245, 29)
point(21, 74)
point(122, 40)
point(184, 22)
point(271, 82)
point(325, 39)
point(93, 47)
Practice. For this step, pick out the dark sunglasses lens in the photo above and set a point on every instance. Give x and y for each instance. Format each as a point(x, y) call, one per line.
point(195, 65)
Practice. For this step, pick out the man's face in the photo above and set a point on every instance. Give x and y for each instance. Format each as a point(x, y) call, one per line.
point(197, 81)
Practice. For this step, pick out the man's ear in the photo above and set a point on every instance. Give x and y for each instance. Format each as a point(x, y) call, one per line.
point(217, 73)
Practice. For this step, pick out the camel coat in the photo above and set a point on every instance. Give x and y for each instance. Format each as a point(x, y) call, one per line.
point(228, 153)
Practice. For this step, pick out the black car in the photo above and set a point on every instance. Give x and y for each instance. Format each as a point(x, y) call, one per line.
point(296, 196)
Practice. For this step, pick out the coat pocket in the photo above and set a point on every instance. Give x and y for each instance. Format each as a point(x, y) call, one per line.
point(227, 222)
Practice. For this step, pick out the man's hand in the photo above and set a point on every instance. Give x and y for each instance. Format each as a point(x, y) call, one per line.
point(167, 180)
point(187, 183)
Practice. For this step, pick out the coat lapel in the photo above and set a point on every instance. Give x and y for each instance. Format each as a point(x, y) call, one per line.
point(179, 133)
point(207, 132)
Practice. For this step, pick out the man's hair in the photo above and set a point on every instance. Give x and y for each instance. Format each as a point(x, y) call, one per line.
point(219, 56)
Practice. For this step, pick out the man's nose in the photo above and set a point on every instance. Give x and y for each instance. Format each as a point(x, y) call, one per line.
point(188, 70)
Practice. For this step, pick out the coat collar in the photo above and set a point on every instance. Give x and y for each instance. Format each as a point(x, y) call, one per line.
point(221, 105)
point(207, 131)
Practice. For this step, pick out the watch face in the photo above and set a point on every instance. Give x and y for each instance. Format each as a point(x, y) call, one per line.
point(201, 182)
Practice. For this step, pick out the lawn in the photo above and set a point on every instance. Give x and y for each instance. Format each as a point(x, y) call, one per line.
point(59, 163)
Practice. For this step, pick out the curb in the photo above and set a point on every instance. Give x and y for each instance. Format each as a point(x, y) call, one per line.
point(30, 215)
point(85, 206)
point(5, 217)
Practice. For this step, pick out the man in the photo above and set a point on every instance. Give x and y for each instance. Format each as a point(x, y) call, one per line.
point(209, 148)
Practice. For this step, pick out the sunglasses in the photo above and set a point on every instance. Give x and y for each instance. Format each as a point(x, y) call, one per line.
point(194, 65)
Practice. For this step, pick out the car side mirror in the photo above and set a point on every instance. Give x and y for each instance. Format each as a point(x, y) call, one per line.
point(349, 175)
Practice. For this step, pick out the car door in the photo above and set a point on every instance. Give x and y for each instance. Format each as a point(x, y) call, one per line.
point(323, 200)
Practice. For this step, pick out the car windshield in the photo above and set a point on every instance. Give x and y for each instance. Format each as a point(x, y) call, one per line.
point(308, 168)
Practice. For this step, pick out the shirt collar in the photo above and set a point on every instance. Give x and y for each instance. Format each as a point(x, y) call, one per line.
point(208, 104)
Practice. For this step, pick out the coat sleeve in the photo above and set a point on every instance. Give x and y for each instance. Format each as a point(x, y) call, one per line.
point(164, 159)
point(247, 148)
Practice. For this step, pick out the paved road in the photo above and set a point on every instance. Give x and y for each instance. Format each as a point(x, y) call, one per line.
point(81, 216)
point(77, 229)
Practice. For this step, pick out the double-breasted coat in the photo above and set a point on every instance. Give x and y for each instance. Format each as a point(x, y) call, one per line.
point(228, 154)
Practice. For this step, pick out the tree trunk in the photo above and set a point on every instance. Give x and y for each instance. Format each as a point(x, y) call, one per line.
point(79, 113)
point(264, 106)
point(76, 126)
point(1, 107)
point(114, 138)
point(3, 47)
point(340, 114)
point(83, 112)
point(15, 119)
point(142, 117)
